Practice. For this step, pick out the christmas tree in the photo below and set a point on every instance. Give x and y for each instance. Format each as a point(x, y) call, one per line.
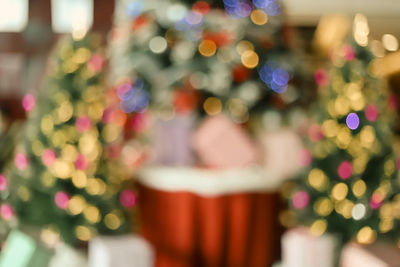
point(65, 180)
point(197, 57)
point(350, 187)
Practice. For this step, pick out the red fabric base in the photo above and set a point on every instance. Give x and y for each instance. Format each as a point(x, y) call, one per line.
point(189, 230)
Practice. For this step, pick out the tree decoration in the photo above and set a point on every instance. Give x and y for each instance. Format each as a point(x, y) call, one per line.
point(72, 186)
point(351, 180)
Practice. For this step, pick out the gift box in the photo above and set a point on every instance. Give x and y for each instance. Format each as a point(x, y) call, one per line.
point(379, 254)
point(21, 250)
point(199, 217)
point(66, 256)
point(281, 150)
point(120, 251)
point(172, 141)
point(301, 249)
point(220, 143)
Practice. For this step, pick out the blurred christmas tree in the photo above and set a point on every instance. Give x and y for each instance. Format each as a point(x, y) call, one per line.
point(351, 187)
point(7, 139)
point(184, 57)
point(64, 179)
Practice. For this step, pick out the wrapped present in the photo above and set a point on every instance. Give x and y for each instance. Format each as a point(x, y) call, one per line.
point(379, 254)
point(301, 249)
point(120, 251)
point(221, 143)
point(281, 150)
point(66, 256)
point(22, 250)
point(172, 141)
point(203, 217)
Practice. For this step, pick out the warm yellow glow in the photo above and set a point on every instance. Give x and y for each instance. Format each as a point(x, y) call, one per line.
point(366, 235)
point(61, 169)
point(79, 179)
point(390, 42)
point(318, 227)
point(259, 17)
point(212, 106)
point(92, 214)
point(250, 59)
point(83, 233)
point(207, 48)
point(76, 205)
point(112, 221)
point(323, 206)
point(330, 128)
point(244, 46)
point(359, 188)
point(339, 191)
point(317, 179)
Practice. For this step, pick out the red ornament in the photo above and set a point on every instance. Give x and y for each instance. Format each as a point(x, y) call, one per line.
point(185, 101)
point(201, 7)
point(219, 38)
point(321, 77)
point(140, 22)
point(240, 73)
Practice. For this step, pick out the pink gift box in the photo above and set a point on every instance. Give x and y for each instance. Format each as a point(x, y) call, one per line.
point(221, 143)
point(379, 254)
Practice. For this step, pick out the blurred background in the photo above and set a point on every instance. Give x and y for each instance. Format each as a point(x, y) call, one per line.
point(199, 133)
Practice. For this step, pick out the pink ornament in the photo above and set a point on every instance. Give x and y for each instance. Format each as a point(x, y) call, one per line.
point(315, 133)
point(393, 102)
point(48, 157)
point(321, 77)
point(82, 124)
point(345, 170)
point(107, 115)
point(114, 151)
point(28, 102)
point(6, 211)
point(3, 183)
point(371, 113)
point(140, 122)
point(95, 63)
point(398, 164)
point(61, 199)
point(300, 199)
point(349, 53)
point(21, 161)
point(376, 201)
point(127, 198)
point(304, 158)
point(81, 162)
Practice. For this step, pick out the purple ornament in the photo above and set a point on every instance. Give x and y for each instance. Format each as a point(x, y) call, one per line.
point(352, 121)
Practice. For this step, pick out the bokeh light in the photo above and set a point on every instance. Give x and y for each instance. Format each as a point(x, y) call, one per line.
point(3, 183)
point(300, 199)
point(345, 170)
point(48, 157)
point(28, 102)
point(352, 121)
point(128, 198)
point(6, 211)
point(274, 77)
point(207, 48)
point(21, 161)
point(137, 102)
point(371, 113)
point(259, 17)
point(61, 199)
